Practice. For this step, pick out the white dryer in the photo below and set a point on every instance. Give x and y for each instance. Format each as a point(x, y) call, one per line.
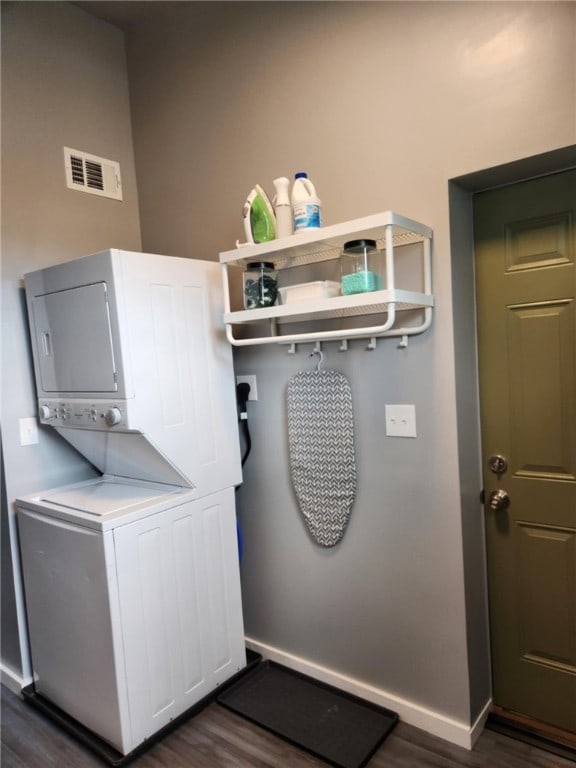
point(132, 579)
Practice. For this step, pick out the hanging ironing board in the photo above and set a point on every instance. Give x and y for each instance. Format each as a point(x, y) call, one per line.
point(321, 450)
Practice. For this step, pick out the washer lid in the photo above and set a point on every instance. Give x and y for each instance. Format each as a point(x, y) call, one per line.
point(104, 497)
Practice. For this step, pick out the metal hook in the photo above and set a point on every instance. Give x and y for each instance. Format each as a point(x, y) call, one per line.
point(404, 342)
point(320, 358)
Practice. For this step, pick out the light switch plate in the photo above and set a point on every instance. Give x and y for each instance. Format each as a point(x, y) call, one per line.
point(28, 431)
point(400, 420)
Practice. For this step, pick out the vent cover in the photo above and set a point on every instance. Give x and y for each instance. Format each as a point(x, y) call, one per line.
point(88, 173)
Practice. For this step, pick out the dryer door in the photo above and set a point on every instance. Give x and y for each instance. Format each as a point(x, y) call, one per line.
point(74, 340)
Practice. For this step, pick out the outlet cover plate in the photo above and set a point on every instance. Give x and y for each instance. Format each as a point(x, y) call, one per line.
point(400, 420)
point(251, 380)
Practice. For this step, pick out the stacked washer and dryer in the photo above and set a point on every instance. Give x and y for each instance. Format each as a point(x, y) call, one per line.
point(132, 578)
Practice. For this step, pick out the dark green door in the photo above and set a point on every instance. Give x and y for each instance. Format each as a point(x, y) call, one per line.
point(526, 286)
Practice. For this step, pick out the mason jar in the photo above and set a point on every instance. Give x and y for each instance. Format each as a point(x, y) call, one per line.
point(361, 267)
point(260, 285)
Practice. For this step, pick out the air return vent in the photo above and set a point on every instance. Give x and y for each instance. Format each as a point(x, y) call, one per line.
point(88, 173)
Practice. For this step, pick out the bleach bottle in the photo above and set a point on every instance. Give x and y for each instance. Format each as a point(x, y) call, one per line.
point(305, 203)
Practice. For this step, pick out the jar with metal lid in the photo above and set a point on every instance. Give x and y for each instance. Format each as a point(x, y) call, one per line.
point(260, 285)
point(361, 265)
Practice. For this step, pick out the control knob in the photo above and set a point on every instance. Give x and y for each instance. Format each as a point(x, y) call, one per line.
point(113, 416)
point(45, 412)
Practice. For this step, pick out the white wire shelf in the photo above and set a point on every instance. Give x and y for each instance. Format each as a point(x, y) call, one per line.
point(312, 246)
point(375, 302)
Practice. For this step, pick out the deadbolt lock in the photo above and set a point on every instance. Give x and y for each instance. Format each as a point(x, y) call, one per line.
point(498, 464)
point(499, 500)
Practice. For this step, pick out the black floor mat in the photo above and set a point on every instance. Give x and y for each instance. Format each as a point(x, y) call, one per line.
point(106, 752)
point(331, 724)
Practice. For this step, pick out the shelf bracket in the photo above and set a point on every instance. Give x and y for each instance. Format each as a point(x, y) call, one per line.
point(343, 345)
point(292, 349)
point(372, 343)
point(317, 348)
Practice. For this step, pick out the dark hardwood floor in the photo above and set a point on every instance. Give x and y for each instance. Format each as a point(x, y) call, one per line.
point(216, 738)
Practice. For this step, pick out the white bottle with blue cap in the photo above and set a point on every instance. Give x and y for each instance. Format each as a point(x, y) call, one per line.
point(305, 203)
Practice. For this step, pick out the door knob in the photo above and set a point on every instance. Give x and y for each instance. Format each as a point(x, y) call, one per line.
point(499, 500)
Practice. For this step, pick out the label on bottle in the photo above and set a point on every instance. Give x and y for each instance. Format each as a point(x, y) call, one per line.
point(306, 216)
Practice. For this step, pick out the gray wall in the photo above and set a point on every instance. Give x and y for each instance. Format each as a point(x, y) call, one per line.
point(381, 103)
point(64, 83)
point(10, 640)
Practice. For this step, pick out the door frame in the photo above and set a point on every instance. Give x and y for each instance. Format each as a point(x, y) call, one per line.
point(461, 190)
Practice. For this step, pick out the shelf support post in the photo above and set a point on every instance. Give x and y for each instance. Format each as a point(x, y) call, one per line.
point(390, 281)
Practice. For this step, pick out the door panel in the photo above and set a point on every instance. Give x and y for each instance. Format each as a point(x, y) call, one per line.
point(74, 340)
point(542, 428)
point(547, 560)
point(526, 280)
point(180, 605)
point(74, 645)
point(538, 242)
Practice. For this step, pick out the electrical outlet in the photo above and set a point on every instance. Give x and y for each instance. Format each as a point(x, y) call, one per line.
point(400, 420)
point(251, 380)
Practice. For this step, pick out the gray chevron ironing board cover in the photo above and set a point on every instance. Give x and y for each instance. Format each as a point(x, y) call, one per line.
point(321, 450)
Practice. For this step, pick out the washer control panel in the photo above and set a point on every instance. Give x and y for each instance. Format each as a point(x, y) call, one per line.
point(87, 414)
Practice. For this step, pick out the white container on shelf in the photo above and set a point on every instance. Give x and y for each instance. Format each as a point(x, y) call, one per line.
point(318, 289)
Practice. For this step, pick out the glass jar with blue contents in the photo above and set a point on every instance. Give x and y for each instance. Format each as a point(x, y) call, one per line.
point(260, 285)
point(361, 265)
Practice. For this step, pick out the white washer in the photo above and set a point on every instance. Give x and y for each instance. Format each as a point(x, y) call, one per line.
point(133, 601)
point(132, 579)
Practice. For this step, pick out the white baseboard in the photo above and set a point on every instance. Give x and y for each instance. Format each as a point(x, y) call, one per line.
point(455, 731)
point(480, 721)
point(11, 679)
